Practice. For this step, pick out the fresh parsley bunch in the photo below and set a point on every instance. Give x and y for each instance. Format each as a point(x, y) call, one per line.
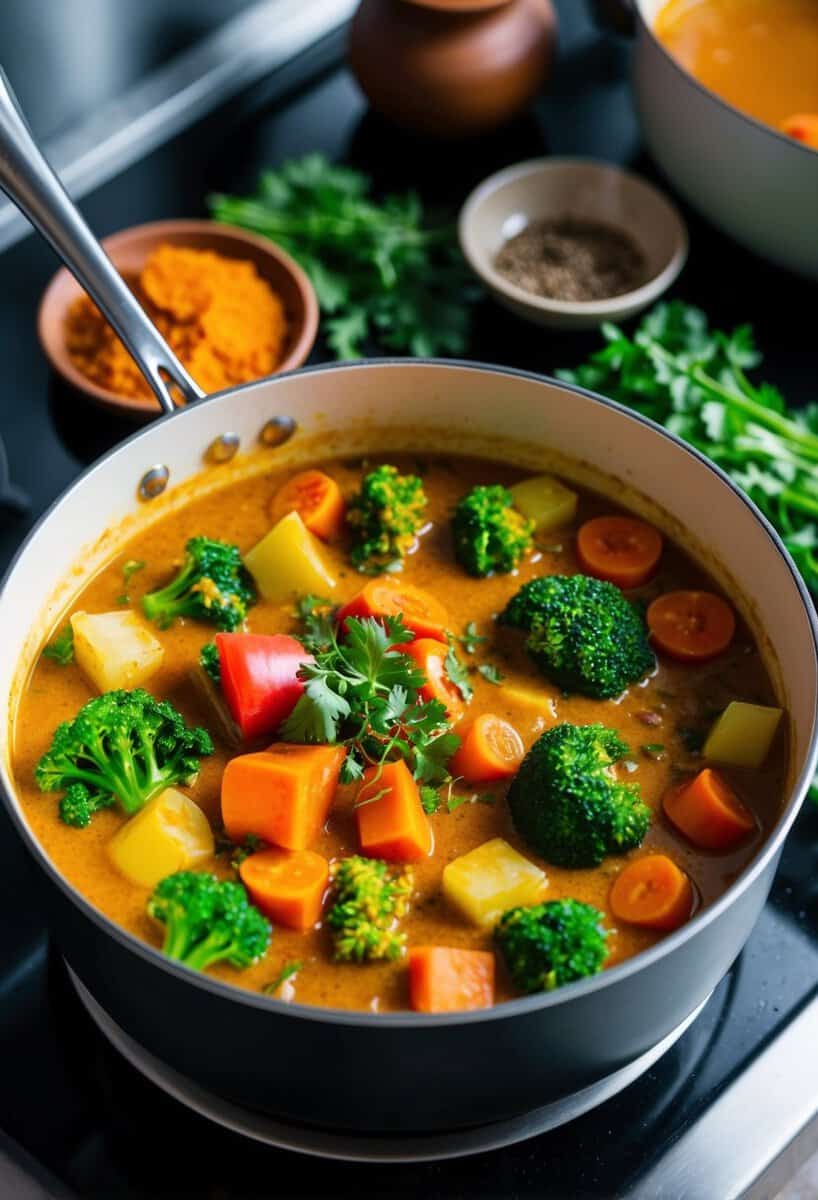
point(693, 380)
point(364, 692)
point(381, 270)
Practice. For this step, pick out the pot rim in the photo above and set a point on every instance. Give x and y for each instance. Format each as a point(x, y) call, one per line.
point(521, 1006)
point(762, 126)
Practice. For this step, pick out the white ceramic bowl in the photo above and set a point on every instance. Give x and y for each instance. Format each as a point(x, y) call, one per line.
point(502, 205)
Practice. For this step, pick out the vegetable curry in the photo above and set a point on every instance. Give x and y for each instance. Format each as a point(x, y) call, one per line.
point(469, 734)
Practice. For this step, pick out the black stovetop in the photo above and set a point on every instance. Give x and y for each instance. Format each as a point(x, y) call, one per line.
point(64, 1095)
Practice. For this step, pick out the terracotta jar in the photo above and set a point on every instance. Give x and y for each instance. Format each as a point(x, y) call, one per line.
point(452, 68)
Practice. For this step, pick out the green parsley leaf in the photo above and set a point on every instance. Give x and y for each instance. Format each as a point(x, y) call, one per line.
point(429, 799)
point(491, 673)
point(458, 674)
point(130, 568)
point(287, 972)
point(471, 639)
point(61, 649)
point(317, 616)
point(654, 750)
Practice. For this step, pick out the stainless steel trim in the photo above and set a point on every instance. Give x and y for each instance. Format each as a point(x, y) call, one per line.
point(764, 1116)
point(261, 39)
point(23, 1178)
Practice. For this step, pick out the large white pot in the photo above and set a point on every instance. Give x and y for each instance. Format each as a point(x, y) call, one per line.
point(484, 1065)
point(756, 184)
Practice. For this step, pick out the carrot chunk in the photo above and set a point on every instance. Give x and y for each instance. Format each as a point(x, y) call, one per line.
point(430, 656)
point(620, 549)
point(691, 626)
point(391, 822)
point(282, 794)
point(449, 980)
point(388, 597)
point(316, 498)
point(652, 892)
point(287, 885)
point(491, 749)
point(708, 812)
point(803, 127)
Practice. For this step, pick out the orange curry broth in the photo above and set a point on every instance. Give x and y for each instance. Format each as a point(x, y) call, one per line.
point(684, 696)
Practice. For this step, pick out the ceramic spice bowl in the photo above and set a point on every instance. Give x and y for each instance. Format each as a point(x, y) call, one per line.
point(129, 250)
point(584, 191)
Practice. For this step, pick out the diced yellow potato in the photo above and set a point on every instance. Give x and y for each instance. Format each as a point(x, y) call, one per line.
point(742, 735)
point(171, 833)
point(487, 881)
point(288, 562)
point(115, 650)
point(545, 501)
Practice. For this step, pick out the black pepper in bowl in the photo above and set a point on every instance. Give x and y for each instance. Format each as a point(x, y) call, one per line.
point(570, 259)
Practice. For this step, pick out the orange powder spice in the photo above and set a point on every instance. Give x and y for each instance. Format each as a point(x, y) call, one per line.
point(223, 320)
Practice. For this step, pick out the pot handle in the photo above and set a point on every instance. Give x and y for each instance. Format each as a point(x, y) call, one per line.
point(618, 15)
point(32, 185)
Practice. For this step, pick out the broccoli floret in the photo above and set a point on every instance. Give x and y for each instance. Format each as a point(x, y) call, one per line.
point(489, 533)
point(121, 747)
point(582, 633)
point(210, 662)
point(567, 803)
point(213, 585)
point(385, 516)
point(208, 920)
point(369, 899)
point(551, 944)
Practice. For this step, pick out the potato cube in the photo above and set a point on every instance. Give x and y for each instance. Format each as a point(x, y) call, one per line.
point(743, 734)
point(115, 650)
point(545, 501)
point(288, 562)
point(487, 881)
point(171, 833)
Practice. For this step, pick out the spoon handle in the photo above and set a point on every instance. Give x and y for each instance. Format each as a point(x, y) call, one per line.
point(32, 185)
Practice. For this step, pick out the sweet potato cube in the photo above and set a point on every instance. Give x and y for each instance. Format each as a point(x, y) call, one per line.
point(171, 833)
point(282, 795)
point(450, 980)
point(487, 881)
point(287, 885)
point(391, 821)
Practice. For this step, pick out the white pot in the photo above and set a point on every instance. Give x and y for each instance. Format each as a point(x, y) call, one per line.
point(754, 183)
point(273, 1055)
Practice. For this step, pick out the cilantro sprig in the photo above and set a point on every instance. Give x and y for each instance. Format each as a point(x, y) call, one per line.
point(382, 271)
point(693, 380)
point(365, 692)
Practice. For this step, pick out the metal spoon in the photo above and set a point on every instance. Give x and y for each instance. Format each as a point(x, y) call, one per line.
point(32, 185)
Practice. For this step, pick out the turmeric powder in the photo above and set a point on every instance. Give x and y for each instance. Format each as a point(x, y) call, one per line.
point(217, 314)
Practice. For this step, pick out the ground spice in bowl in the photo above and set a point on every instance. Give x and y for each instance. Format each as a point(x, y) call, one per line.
point(223, 321)
point(571, 259)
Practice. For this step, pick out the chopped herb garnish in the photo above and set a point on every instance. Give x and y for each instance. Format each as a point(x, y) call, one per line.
point(429, 799)
point(491, 673)
point(317, 617)
point(287, 971)
point(123, 600)
point(130, 568)
point(61, 649)
point(454, 801)
point(365, 692)
point(471, 639)
point(654, 750)
point(458, 674)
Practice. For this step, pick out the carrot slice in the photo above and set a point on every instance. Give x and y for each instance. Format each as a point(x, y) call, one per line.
point(691, 626)
point(282, 794)
point(287, 885)
point(316, 498)
point(430, 656)
point(620, 549)
point(490, 749)
point(449, 980)
point(388, 597)
point(803, 127)
point(708, 812)
point(391, 821)
point(652, 892)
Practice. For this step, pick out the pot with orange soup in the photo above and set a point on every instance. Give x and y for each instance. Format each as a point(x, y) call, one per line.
point(727, 96)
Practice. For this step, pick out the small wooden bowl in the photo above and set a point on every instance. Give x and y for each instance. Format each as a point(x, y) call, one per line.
point(129, 250)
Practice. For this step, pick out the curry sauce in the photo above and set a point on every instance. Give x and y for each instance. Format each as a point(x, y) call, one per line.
point(674, 706)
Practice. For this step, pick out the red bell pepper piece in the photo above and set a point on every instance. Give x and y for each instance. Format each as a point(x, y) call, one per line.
point(260, 679)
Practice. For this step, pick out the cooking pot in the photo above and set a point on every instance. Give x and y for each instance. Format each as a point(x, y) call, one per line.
point(756, 184)
point(394, 1071)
